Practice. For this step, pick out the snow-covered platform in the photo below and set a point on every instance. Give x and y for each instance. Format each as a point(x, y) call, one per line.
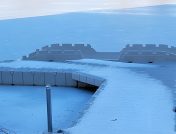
point(128, 102)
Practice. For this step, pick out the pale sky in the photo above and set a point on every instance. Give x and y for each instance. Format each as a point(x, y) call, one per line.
point(28, 8)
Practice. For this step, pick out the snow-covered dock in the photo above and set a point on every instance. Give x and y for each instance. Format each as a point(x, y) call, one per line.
point(129, 102)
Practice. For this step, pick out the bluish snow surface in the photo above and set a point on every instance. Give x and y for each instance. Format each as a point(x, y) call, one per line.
point(130, 103)
point(105, 31)
point(23, 108)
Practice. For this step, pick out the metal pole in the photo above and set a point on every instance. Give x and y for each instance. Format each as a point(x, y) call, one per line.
point(174, 109)
point(49, 108)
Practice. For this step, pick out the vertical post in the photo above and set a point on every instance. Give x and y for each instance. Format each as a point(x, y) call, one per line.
point(175, 123)
point(174, 110)
point(49, 108)
point(77, 84)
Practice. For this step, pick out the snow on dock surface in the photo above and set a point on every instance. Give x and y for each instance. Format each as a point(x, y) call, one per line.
point(129, 103)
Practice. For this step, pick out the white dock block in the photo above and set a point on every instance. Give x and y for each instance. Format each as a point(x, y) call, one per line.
point(39, 78)
point(60, 79)
point(83, 78)
point(69, 80)
point(98, 81)
point(18, 78)
point(7, 77)
point(90, 80)
point(75, 76)
point(50, 78)
point(28, 78)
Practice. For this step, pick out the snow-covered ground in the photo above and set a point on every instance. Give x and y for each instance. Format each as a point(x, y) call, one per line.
point(23, 108)
point(131, 101)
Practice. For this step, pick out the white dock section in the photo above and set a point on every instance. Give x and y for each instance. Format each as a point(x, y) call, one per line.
point(40, 78)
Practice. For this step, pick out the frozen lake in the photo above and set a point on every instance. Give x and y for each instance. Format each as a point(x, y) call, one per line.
point(106, 30)
point(21, 8)
point(23, 108)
